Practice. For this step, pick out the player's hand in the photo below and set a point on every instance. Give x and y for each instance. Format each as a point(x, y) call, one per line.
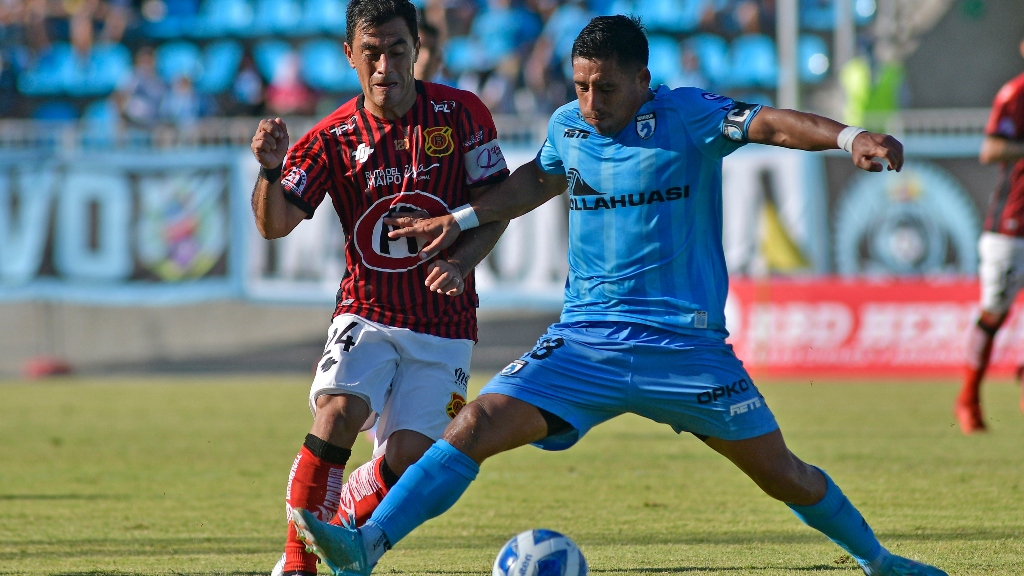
point(868, 145)
point(445, 278)
point(438, 233)
point(270, 143)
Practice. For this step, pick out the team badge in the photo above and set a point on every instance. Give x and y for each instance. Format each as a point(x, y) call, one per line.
point(645, 124)
point(437, 141)
point(455, 405)
point(514, 367)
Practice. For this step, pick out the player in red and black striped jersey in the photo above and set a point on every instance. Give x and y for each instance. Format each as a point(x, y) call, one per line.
point(1001, 247)
point(403, 327)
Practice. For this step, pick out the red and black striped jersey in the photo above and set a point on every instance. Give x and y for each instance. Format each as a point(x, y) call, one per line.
point(1006, 209)
point(373, 168)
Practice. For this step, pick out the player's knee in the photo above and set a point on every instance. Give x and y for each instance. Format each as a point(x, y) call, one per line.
point(792, 481)
point(465, 431)
point(340, 413)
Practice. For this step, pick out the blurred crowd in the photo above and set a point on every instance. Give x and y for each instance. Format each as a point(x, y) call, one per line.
point(146, 62)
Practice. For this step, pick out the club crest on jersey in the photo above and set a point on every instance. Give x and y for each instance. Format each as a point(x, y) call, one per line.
point(437, 141)
point(361, 153)
point(645, 124)
point(455, 405)
point(376, 249)
point(514, 367)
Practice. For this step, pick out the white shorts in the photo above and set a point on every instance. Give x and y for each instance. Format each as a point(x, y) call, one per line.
point(1001, 270)
point(412, 381)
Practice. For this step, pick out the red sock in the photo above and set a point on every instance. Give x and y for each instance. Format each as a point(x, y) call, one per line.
point(314, 485)
point(979, 352)
point(363, 492)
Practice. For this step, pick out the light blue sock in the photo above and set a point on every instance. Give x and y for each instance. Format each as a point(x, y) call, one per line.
point(427, 489)
point(836, 517)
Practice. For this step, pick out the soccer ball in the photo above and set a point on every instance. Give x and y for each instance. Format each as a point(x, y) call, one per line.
point(540, 553)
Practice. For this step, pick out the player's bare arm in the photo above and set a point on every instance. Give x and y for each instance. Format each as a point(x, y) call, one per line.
point(447, 276)
point(805, 131)
point(527, 188)
point(995, 149)
point(275, 216)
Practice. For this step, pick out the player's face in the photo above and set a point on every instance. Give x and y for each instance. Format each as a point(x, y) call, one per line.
point(383, 57)
point(609, 94)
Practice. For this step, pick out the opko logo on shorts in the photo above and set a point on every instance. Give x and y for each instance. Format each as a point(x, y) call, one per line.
point(380, 252)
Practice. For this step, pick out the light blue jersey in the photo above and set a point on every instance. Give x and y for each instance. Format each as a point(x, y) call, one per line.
point(645, 219)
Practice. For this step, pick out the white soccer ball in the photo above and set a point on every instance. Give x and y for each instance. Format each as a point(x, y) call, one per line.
point(540, 553)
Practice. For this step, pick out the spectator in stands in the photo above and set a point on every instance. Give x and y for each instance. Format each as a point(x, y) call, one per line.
point(545, 69)
point(248, 96)
point(505, 27)
point(8, 90)
point(287, 93)
point(140, 99)
point(183, 106)
point(430, 64)
point(689, 71)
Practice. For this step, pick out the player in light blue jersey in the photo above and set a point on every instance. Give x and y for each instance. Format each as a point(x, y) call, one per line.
point(643, 328)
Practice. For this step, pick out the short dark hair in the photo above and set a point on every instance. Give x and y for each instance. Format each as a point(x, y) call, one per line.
point(371, 13)
point(620, 38)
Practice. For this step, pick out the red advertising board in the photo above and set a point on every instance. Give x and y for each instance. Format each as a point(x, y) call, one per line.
point(861, 328)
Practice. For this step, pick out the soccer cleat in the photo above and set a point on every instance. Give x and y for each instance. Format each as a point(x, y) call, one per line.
point(340, 548)
point(969, 417)
point(899, 566)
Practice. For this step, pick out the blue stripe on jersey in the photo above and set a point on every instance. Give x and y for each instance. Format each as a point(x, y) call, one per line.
point(645, 220)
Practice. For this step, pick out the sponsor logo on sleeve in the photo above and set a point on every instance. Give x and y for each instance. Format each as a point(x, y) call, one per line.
point(645, 125)
point(437, 141)
point(474, 139)
point(484, 161)
point(711, 96)
point(295, 181)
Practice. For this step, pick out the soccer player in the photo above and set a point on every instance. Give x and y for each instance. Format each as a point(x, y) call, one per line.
point(399, 345)
point(643, 327)
point(1001, 246)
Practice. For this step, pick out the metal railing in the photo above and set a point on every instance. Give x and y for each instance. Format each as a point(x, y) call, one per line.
point(237, 132)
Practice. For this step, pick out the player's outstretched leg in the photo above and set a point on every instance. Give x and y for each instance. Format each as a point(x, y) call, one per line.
point(429, 487)
point(816, 500)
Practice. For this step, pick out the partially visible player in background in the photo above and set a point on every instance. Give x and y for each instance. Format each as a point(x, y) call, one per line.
point(399, 345)
point(1001, 247)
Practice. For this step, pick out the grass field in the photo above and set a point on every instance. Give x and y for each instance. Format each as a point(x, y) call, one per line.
point(186, 476)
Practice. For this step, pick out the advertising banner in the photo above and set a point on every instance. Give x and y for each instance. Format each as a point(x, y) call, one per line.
point(859, 328)
point(118, 228)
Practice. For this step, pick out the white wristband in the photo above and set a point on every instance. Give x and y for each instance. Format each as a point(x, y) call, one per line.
point(847, 136)
point(465, 217)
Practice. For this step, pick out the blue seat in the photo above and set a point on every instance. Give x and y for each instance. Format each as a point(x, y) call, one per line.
point(176, 22)
point(52, 72)
point(820, 14)
point(222, 18)
point(323, 16)
point(325, 67)
point(713, 53)
point(220, 64)
point(671, 15)
point(464, 54)
point(59, 111)
point(180, 58)
point(268, 55)
point(665, 59)
point(812, 55)
point(108, 66)
point(276, 17)
point(754, 61)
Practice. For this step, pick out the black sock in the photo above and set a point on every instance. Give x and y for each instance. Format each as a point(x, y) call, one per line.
point(326, 451)
point(387, 474)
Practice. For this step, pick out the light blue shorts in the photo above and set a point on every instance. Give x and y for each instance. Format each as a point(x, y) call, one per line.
point(586, 373)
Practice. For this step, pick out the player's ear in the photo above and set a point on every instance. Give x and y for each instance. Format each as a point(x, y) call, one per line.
point(348, 54)
point(643, 77)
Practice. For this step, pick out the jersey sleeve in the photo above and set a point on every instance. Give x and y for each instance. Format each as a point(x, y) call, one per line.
point(548, 158)
point(478, 139)
point(1007, 117)
point(305, 176)
point(717, 124)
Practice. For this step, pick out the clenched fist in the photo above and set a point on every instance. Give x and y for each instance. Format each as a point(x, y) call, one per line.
point(270, 143)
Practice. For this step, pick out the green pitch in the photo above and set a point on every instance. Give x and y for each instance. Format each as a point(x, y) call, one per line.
point(187, 476)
